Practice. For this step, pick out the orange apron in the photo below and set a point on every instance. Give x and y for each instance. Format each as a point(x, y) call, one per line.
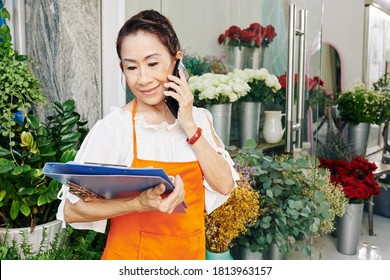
point(157, 236)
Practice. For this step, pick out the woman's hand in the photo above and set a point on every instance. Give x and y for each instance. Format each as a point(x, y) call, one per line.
point(185, 98)
point(151, 199)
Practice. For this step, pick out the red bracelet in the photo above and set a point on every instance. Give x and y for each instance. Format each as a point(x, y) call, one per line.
point(196, 136)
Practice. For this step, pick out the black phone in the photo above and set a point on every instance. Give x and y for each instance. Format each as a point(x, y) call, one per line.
point(171, 102)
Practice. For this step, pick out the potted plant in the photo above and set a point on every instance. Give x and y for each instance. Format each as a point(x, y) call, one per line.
point(298, 201)
point(355, 176)
point(263, 86)
point(230, 219)
point(256, 37)
point(217, 92)
point(27, 197)
point(359, 107)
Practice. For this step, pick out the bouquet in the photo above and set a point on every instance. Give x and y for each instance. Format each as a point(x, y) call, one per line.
point(255, 35)
point(355, 176)
point(262, 84)
point(213, 89)
point(233, 217)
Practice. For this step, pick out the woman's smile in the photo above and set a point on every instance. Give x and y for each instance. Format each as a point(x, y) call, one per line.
point(150, 91)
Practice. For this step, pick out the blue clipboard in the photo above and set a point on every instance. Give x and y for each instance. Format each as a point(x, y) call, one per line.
point(109, 181)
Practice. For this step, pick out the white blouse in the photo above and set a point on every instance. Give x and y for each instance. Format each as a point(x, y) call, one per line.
point(111, 141)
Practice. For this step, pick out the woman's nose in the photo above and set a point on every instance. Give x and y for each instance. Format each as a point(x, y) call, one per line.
point(144, 77)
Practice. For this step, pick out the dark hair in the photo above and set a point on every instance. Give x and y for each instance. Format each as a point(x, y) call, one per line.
point(153, 22)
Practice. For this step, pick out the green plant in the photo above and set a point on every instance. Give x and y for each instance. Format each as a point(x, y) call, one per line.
point(383, 85)
point(334, 146)
point(27, 196)
point(294, 202)
point(19, 88)
point(70, 244)
point(197, 65)
point(362, 105)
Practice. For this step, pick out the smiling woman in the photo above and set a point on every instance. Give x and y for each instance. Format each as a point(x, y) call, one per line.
point(145, 133)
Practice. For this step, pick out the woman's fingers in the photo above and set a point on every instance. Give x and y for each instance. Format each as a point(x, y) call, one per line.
point(152, 198)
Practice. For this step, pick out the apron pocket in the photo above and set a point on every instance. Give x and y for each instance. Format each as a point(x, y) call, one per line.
point(172, 247)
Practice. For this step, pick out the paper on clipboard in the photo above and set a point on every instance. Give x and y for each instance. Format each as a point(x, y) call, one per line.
point(110, 181)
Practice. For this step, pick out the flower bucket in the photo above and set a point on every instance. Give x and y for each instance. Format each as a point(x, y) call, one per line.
point(236, 57)
point(242, 253)
point(221, 120)
point(273, 253)
point(358, 137)
point(348, 229)
point(255, 58)
point(248, 121)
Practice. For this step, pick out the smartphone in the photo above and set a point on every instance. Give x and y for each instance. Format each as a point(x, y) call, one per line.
point(171, 102)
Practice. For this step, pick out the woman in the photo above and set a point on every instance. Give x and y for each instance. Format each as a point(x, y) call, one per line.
point(145, 133)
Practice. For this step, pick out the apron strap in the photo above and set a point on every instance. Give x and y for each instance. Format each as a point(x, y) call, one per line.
point(134, 136)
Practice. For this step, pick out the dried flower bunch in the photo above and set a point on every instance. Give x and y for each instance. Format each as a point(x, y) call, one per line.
point(225, 223)
point(197, 65)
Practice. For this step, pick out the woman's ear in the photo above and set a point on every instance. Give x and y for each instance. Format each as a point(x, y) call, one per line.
point(179, 55)
point(121, 65)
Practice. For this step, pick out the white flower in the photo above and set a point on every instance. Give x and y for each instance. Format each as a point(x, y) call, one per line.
point(218, 88)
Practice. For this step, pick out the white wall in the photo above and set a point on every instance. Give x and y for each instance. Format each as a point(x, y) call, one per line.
point(343, 27)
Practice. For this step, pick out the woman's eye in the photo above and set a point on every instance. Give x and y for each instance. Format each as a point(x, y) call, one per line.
point(153, 64)
point(131, 68)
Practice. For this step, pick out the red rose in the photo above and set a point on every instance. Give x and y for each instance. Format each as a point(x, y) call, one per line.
point(349, 192)
point(270, 33)
point(256, 27)
point(247, 35)
point(234, 33)
point(283, 81)
point(221, 39)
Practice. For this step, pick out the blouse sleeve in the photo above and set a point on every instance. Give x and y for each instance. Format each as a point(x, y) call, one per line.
point(214, 199)
point(105, 143)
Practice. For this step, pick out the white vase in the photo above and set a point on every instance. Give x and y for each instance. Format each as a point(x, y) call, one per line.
point(221, 120)
point(272, 129)
point(34, 238)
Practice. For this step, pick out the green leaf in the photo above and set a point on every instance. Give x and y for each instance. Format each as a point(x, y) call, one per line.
point(4, 152)
point(68, 105)
point(71, 120)
point(2, 194)
point(17, 170)
point(289, 182)
point(14, 209)
point(42, 199)
point(70, 136)
point(25, 210)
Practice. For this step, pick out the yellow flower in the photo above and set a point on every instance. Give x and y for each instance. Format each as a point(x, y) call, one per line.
point(232, 218)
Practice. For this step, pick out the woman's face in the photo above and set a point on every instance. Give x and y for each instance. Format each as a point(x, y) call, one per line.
point(146, 65)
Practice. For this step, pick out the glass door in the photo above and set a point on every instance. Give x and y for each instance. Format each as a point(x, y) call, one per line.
point(290, 50)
